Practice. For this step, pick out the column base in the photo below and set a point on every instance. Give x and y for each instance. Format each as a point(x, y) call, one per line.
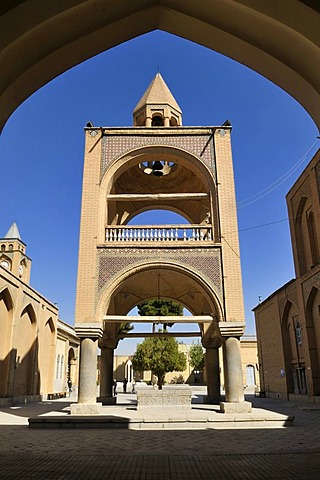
point(107, 400)
point(86, 408)
point(212, 399)
point(232, 407)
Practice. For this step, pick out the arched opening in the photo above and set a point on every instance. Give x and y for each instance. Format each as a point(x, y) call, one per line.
point(295, 368)
point(72, 369)
point(250, 376)
point(264, 38)
point(26, 373)
point(313, 333)
point(47, 354)
point(157, 121)
point(6, 318)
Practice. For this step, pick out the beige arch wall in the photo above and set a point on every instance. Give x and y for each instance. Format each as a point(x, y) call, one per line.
point(278, 39)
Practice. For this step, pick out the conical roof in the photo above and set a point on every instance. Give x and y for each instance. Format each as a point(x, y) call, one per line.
point(157, 93)
point(13, 232)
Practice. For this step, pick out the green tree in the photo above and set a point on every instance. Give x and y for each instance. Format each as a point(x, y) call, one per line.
point(160, 308)
point(196, 356)
point(160, 355)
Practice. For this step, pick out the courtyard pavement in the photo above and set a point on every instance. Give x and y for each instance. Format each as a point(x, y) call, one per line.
point(120, 454)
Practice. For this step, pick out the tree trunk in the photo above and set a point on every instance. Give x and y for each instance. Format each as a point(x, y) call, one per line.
point(160, 380)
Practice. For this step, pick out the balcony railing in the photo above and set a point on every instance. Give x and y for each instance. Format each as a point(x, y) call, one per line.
point(174, 233)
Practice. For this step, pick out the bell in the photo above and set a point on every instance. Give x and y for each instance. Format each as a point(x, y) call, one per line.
point(157, 165)
point(157, 173)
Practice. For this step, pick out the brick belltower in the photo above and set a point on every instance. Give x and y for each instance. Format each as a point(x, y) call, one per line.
point(159, 164)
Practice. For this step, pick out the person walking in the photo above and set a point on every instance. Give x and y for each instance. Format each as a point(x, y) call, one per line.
point(133, 383)
point(115, 391)
point(125, 381)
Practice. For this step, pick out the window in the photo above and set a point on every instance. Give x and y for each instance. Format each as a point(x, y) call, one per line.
point(57, 366)
point(298, 333)
point(61, 366)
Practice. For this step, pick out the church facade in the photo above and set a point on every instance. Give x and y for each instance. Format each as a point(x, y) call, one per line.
point(38, 352)
point(288, 321)
point(159, 164)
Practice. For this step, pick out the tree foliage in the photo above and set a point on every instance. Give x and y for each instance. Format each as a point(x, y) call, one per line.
point(160, 355)
point(196, 356)
point(160, 308)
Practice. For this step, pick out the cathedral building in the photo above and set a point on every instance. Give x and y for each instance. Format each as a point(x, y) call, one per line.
point(288, 321)
point(38, 352)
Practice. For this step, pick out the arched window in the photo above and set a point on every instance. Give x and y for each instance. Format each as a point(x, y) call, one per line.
point(3, 247)
point(250, 375)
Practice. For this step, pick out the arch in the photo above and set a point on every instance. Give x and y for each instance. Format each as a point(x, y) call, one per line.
point(26, 343)
point(6, 323)
point(300, 236)
point(250, 375)
point(29, 310)
point(203, 297)
point(191, 172)
point(6, 297)
point(135, 156)
point(287, 346)
point(275, 42)
point(313, 335)
point(157, 120)
point(158, 207)
point(47, 353)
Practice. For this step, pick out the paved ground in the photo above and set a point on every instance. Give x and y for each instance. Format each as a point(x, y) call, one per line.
point(286, 453)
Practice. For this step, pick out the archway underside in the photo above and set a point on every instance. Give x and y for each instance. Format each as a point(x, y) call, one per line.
point(279, 40)
point(165, 283)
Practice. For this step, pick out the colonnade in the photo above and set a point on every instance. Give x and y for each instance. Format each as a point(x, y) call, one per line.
point(89, 404)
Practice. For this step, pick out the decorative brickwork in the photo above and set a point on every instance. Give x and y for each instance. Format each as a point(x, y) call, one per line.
point(304, 191)
point(307, 286)
point(205, 262)
point(115, 146)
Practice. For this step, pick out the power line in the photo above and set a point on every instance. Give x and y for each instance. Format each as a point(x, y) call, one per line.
point(264, 192)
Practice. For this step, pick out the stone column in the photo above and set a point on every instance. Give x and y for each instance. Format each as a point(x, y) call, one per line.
point(106, 372)
point(233, 378)
point(87, 404)
point(212, 371)
point(167, 121)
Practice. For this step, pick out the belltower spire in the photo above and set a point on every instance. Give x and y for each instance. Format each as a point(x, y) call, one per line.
point(157, 107)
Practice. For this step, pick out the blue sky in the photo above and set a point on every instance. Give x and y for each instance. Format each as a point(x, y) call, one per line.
point(41, 154)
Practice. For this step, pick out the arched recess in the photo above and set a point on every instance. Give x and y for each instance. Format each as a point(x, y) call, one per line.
point(47, 354)
point(280, 42)
point(177, 282)
point(26, 344)
point(313, 334)
point(6, 322)
point(300, 237)
point(190, 175)
point(289, 344)
point(72, 367)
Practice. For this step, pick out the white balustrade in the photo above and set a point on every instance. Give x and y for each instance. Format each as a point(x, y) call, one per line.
point(186, 233)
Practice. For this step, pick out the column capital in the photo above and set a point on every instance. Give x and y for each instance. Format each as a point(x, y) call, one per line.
point(231, 329)
point(108, 342)
point(212, 343)
point(89, 330)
